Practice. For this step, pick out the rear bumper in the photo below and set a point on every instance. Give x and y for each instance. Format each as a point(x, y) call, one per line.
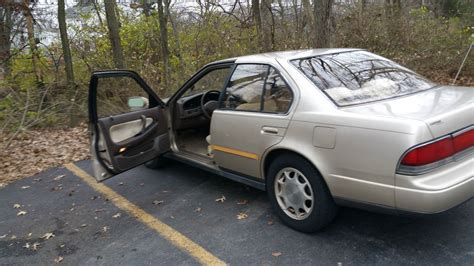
point(436, 191)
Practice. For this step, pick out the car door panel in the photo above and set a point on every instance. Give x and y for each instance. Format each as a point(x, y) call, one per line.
point(127, 139)
point(239, 139)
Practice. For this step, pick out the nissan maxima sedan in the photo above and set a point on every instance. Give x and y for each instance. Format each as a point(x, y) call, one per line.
point(315, 128)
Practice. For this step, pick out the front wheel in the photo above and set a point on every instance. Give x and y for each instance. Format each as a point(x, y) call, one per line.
point(299, 195)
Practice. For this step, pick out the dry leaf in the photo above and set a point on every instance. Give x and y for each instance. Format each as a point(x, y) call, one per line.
point(242, 216)
point(270, 222)
point(5, 235)
point(157, 202)
point(197, 210)
point(105, 229)
point(35, 246)
point(83, 225)
point(58, 259)
point(117, 215)
point(30, 234)
point(276, 254)
point(27, 245)
point(243, 202)
point(121, 184)
point(58, 177)
point(13, 237)
point(16, 206)
point(2, 185)
point(25, 187)
point(48, 236)
point(221, 199)
point(21, 213)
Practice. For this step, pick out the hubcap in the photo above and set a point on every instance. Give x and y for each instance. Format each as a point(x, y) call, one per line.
point(294, 194)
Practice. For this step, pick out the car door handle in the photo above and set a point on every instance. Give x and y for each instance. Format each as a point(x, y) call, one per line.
point(143, 118)
point(269, 130)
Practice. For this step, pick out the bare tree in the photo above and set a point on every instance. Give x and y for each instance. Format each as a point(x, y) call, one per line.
point(163, 20)
point(114, 32)
point(266, 16)
point(257, 20)
point(32, 43)
point(6, 24)
point(322, 22)
point(65, 42)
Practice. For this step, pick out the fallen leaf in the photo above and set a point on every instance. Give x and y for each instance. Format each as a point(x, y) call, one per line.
point(197, 210)
point(276, 254)
point(221, 199)
point(121, 184)
point(35, 246)
point(83, 225)
point(172, 217)
point(242, 216)
point(30, 234)
point(243, 202)
point(25, 187)
point(58, 259)
point(48, 236)
point(58, 177)
point(105, 229)
point(117, 215)
point(62, 245)
point(270, 222)
point(2, 185)
point(16, 206)
point(21, 213)
point(27, 245)
point(157, 202)
point(5, 235)
point(13, 237)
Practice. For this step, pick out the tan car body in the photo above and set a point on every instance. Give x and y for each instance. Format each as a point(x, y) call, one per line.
point(356, 149)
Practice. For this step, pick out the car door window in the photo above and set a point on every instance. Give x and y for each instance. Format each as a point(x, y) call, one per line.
point(119, 95)
point(258, 88)
point(213, 80)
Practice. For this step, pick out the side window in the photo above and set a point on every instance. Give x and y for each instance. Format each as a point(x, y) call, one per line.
point(214, 80)
point(278, 96)
point(258, 88)
point(118, 95)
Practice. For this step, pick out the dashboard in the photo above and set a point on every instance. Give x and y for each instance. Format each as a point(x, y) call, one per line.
point(188, 111)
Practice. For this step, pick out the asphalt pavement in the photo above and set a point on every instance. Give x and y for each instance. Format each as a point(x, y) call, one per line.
point(56, 216)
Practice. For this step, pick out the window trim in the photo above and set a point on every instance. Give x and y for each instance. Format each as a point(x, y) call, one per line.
point(221, 98)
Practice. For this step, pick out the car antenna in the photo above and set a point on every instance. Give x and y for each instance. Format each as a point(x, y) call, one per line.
point(462, 64)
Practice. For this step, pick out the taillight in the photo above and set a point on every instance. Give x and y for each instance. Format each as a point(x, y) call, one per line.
point(426, 157)
point(463, 141)
point(430, 153)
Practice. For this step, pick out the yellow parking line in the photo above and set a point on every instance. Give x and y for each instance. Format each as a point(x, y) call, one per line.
point(176, 238)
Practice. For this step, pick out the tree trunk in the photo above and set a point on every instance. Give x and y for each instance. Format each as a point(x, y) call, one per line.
point(162, 19)
point(308, 20)
point(322, 22)
point(257, 20)
point(32, 43)
point(266, 16)
point(114, 33)
point(65, 42)
point(6, 25)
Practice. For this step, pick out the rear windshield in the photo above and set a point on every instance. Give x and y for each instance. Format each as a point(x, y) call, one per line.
point(358, 77)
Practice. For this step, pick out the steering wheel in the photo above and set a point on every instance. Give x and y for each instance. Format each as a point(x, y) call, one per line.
point(209, 106)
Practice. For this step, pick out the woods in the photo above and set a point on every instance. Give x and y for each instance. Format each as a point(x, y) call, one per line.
point(47, 51)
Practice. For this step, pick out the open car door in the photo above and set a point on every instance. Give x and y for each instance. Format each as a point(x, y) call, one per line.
point(128, 122)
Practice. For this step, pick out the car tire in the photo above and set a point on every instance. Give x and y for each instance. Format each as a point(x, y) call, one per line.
point(157, 163)
point(308, 184)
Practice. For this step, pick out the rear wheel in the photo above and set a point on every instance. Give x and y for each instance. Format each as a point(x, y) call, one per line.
point(299, 195)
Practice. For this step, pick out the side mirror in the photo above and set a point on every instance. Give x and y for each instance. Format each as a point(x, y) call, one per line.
point(137, 103)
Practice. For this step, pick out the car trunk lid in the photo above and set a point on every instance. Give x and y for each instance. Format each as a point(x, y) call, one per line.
point(444, 109)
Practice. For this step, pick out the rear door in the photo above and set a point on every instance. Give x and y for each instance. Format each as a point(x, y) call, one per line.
point(128, 122)
point(253, 116)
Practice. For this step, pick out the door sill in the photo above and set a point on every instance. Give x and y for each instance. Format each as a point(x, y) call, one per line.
point(207, 164)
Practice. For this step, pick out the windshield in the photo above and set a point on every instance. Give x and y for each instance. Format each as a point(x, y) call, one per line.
point(357, 77)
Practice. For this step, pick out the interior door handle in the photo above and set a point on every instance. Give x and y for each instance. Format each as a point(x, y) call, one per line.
point(143, 118)
point(269, 130)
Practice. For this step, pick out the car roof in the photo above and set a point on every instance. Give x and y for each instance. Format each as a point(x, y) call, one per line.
point(287, 55)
